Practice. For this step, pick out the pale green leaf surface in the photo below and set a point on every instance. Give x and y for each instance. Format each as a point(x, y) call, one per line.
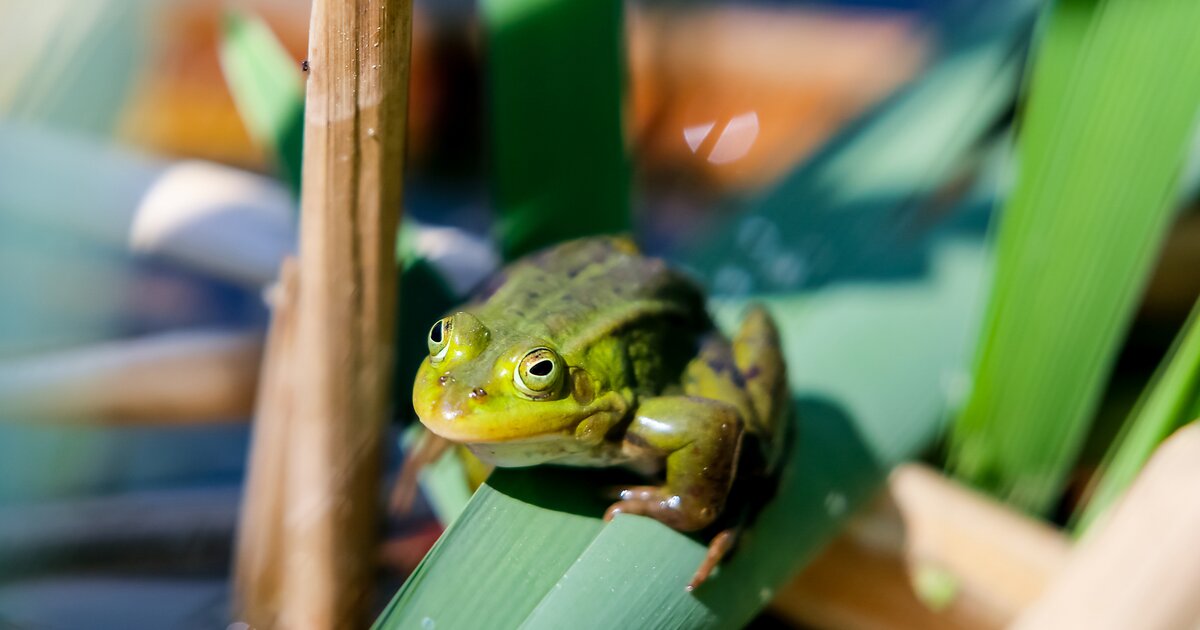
point(1113, 101)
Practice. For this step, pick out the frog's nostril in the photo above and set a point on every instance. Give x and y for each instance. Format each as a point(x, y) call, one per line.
point(478, 392)
point(445, 379)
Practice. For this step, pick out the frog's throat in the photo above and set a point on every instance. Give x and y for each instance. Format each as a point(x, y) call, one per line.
point(555, 449)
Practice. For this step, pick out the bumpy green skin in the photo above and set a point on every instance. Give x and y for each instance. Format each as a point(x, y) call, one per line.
point(640, 377)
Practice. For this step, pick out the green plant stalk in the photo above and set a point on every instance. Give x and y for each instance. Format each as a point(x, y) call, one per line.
point(1170, 401)
point(267, 88)
point(555, 78)
point(1113, 98)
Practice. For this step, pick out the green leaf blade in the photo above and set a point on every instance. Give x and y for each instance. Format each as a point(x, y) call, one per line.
point(267, 88)
point(1104, 138)
point(512, 521)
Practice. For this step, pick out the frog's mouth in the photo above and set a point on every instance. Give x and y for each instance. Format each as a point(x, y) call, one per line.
point(459, 419)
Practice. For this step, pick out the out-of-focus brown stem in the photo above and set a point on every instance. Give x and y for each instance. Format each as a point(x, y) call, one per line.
point(322, 503)
point(183, 377)
point(262, 534)
point(990, 560)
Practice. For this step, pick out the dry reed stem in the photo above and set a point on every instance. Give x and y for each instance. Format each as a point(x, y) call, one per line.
point(261, 534)
point(994, 560)
point(319, 575)
point(174, 378)
point(1140, 567)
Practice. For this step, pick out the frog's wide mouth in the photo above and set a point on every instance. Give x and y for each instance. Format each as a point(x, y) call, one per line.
point(462, 421)
point(467, 432)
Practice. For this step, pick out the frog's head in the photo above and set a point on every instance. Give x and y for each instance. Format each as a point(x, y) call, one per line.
point(479, 386)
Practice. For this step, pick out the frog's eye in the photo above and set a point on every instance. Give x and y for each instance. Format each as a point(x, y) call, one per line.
point(439, 340)
point(539, 373)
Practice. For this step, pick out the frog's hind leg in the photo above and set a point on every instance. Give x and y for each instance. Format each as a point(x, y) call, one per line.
point(698, 439)
point(759, 359)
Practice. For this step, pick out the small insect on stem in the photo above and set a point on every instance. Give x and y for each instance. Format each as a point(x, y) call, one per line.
point(304, 65)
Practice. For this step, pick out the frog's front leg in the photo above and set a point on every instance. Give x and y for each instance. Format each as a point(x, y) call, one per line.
point(698, 439)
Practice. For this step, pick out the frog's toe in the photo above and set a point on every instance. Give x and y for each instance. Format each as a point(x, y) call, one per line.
point(672, 510)
point(718, 548)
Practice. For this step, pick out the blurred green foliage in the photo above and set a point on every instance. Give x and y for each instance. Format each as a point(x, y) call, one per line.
point(267, 87)
point(1112, 101)
point(555, 78)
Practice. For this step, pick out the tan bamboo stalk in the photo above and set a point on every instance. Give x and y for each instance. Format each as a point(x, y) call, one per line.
point(1140, 567)
point(991, 562)
point(323, 552)
point(173, 378)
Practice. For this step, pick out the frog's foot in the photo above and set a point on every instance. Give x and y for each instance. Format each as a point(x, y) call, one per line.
point(718, 548)
point(428, 449)
point(672, 510)
point(698, 441)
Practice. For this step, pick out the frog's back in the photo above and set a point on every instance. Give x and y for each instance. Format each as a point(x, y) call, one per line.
point(584, 290)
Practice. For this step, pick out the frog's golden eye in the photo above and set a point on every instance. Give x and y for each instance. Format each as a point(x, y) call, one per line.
point(439, 340)
point(539, 373)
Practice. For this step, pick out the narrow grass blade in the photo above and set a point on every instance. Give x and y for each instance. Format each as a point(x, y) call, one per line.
point(1171, 401)
point(267, 88)
point(555, 74)
point(1114, 95)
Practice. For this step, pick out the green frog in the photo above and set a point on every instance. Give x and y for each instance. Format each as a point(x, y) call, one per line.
point(592, 354)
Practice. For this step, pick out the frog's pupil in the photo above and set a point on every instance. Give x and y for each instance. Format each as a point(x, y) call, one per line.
point(435, 334)
point(542, 368)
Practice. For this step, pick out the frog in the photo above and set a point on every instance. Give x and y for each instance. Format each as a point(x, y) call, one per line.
point(590, 353)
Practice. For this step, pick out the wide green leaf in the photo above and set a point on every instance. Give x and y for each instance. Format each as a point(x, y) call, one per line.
point(1112, 101)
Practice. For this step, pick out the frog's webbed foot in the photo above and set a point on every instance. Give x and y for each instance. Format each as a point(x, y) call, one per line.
point(699, 439)
point(659, 504)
